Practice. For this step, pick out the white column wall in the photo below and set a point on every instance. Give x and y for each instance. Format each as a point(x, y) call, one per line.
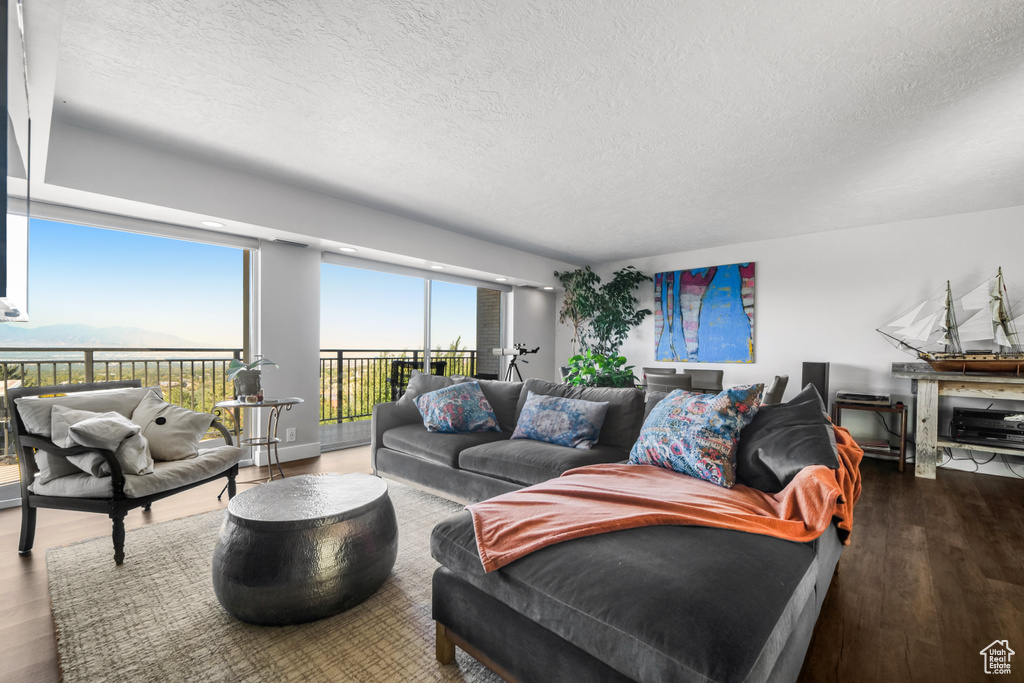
point(532, 317)
point(288, 333)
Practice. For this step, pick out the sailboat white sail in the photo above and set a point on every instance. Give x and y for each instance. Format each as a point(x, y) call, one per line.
point(937, 329)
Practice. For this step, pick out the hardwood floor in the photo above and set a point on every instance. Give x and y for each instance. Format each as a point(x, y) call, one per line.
point(28, 651)
point(935, 573)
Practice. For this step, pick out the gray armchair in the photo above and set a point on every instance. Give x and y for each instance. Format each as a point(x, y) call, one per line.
point(109, 490)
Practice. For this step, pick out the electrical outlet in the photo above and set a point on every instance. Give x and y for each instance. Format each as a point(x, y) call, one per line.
point(289, 435)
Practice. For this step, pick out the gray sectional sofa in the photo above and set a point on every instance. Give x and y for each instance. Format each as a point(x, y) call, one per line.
point(474, 467)
point(652, 604)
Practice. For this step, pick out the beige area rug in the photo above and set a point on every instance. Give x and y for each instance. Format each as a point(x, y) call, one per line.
point(156, 618)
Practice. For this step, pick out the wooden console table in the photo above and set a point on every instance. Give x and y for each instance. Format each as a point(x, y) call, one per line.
point(929, 385)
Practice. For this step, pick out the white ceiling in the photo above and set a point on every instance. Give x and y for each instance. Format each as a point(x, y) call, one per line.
point(587, 131)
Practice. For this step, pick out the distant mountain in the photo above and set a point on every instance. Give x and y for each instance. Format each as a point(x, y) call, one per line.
point(13, 334)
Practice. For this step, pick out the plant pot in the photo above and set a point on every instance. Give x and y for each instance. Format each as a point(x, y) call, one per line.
point(248, 383)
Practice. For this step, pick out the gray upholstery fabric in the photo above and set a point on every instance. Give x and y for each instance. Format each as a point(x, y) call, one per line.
point(530, 462)
point(436, 446)
point(783, 439)
point(663, 603)
point(165, 476)
point(625, 410)
point(468, 487)
point(503, 397)
point(525, 649)
point(419, 383)
point(35, 410)
point(653, 399)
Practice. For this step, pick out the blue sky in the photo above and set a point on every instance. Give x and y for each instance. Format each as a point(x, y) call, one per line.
point(108, 278)
point(363, 309)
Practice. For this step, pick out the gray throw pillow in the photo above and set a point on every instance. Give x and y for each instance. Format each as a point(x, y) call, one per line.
point(173, 433)
point(109, 431)
point(420, 383)
point(783, 439)
point(35, 410)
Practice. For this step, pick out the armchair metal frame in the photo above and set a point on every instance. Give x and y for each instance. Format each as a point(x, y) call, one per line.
point(118, 505)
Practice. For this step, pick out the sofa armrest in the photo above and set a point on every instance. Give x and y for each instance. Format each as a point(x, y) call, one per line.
point(385, 417)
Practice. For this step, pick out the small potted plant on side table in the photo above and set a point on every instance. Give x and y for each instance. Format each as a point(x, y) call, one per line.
point(247, 378)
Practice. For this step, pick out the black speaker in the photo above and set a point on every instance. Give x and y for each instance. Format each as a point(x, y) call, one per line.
point(816, 374)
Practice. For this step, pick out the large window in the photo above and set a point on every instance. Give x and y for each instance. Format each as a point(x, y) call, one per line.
point(372, 336)
point(106, 305)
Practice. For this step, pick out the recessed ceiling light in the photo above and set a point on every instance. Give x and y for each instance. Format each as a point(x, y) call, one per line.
point(437, 267)
point(549, 288)
point(348, 250)
point(213, 224)
point(500, 279)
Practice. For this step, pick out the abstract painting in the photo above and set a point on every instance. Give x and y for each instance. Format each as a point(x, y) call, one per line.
point(705, 315)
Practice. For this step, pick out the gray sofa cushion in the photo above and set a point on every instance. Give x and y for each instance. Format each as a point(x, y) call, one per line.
point(653, 399)
point(503, 397)
point(437, 446)
point(530, 462)
point(625, 410)
point(663, 603)
point(165, 476)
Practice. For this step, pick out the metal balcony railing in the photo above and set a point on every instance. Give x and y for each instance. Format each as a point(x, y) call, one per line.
point(192, 378)
point(352, 381)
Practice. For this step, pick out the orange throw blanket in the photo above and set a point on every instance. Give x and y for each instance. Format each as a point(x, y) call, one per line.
point(600, 498)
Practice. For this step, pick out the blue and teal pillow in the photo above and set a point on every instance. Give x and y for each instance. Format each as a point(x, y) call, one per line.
point(562, 421)
point(458, 409)
point(696, 434)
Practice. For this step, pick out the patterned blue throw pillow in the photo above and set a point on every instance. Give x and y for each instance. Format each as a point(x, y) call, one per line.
point(458, 409)
point(561, 421)
point(696, 434)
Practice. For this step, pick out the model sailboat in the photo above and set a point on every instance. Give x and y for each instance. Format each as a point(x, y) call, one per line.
point(937, 329)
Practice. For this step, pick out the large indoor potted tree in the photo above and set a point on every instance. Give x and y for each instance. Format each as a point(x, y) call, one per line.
point(601, 316)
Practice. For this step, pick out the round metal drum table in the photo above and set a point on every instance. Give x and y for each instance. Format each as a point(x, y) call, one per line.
point(304, 548)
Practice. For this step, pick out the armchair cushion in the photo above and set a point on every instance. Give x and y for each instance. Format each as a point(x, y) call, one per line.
point(173, 433)
point(109, 431)
point(35, 411)
point(52, 467)
point(166, 476)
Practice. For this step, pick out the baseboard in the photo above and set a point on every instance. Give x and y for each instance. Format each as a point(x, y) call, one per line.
point(289, 453)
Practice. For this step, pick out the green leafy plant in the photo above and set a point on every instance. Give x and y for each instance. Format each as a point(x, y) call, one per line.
point(601, 314)
point(580, 302)
point(236, 366)
point(590, 369)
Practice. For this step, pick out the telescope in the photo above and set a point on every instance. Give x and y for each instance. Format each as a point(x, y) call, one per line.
point(515, 351)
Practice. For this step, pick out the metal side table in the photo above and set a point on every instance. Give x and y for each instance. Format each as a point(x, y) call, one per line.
point(271, 440)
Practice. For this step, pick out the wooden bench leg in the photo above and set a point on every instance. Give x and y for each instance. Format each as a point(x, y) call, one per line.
point(28, 530)
point(118, 536)
point(444, 648)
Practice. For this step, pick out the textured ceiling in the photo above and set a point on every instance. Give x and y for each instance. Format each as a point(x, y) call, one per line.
point(586, 131)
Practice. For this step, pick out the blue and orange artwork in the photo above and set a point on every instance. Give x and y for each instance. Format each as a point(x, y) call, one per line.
point(705, 315)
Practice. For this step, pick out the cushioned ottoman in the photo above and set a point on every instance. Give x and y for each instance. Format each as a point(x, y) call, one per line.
point(664, 603)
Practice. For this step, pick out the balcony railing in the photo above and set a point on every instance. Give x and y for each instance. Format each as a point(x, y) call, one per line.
point(352, 381)
point(192, 378)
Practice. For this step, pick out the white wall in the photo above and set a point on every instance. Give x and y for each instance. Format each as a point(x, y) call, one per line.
point(288, 333)
point(530, 320)
point(820, 297)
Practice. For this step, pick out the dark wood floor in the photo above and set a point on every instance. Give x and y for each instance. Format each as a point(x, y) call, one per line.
point(935, 573)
